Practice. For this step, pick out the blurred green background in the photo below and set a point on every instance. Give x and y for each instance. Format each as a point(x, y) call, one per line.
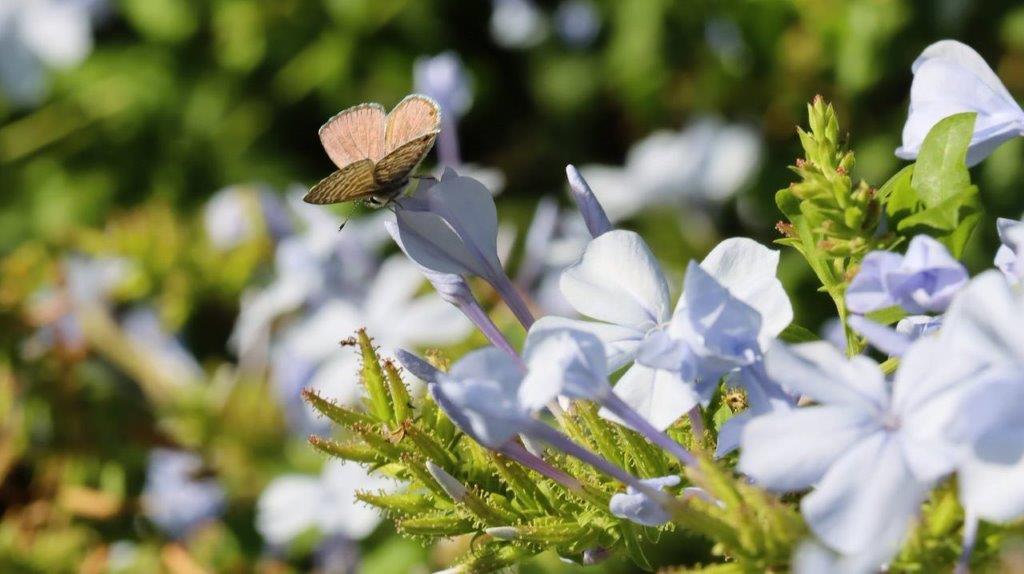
point(120, 119)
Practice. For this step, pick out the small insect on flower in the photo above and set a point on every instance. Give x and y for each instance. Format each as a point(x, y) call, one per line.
point(375, 152)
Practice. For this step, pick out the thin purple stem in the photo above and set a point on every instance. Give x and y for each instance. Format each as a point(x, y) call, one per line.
point(696, 421)
point(448, 142)
point(963, 565)
point(508, 292)
point(482, 320)
point(518, 453)
point(619, 408)
point(561, 442)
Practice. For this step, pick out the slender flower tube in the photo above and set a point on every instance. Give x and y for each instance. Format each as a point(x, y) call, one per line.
point(480, 394)
point(454, 289)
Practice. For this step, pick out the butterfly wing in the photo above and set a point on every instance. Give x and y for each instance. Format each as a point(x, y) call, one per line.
point(397, 165)
point(413, 117)
point(354, 134)
point(352, 182)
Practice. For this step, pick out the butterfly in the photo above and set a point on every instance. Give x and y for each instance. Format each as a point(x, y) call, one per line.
point(375, 152)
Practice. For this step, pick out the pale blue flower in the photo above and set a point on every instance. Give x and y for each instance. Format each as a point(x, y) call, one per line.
point(577, 22)
point(236, 214)
point(173, 498)
point(985, 324)
point(306, 354)
point(924, 280)
point(951, 78)
point(443, 77)
point(555, 239)
point(451, 226)
point(517, 24)
point(638, 507)
point(590, 208)
point(618, 282)
point(895, 342)
point(707, 162)
point(37, 35)
point(297, 503)
point(161, 349)
point(871, 451)
point(1010, 256)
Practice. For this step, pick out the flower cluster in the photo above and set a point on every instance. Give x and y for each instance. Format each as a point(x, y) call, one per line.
point(868, 442)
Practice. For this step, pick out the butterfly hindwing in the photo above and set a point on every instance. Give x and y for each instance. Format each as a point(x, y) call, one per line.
point(352, 182)
point(411, 119)
point(354, 134)
point(397, 165)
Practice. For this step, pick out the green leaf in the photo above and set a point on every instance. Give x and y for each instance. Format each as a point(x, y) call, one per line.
point(794, 333)
point(898, 196)
point(941, 171)
point(887, 316)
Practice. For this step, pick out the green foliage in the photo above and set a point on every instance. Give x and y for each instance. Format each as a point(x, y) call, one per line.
point(454, 487)
point(834, 224)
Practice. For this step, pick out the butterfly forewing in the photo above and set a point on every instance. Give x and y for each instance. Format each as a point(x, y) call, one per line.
point(352, 182)
point(397, 165)
point(412, 118)
point(355, 134)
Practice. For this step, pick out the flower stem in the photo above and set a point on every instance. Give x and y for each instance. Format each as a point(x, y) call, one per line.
point(561, 442)
point(518, 453)
point(508, 292)
point(963, 565)
point(619, 408)
point(479, 317)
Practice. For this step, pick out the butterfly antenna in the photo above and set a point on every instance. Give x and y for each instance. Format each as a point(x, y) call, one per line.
point(344, 223)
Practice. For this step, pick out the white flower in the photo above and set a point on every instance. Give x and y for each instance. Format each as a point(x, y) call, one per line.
point(1010, 256)
point(618, 282)
point(40, 34)
point(638, 507)
point(706, 161)
point(950, 78)
point(175, 501)
point(295, 503)
point(517, 24)
point(163, 351)
point(985, 322)
point(871, 453)
point(307, 355)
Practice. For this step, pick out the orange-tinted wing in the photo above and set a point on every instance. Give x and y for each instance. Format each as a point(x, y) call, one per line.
point(412, 118)
point(397, 165)
point(350, 183)
point(354, 134)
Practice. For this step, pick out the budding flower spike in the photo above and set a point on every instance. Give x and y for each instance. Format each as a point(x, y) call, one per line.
point(949, 78)
point(451, 226)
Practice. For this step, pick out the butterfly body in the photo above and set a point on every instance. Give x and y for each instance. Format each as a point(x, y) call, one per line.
point(376, 152)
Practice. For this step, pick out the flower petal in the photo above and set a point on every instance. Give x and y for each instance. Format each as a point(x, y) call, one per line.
point(748, 270)
point(821, 372)
point(620, 343)
point(867, 498)
point(659, 396)
point(618, 280)
point(564, 363)
point(790, 450)
point(950, 77)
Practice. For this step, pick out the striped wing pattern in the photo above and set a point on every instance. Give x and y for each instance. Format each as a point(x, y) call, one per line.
point(397, 165)
point(375, 152)
point(352, 182)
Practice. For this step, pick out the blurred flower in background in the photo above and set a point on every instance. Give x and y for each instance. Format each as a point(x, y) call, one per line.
point(176, 498)
point(577, 22)
point(517, 24)
point(704, 164)
point(38, 35)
